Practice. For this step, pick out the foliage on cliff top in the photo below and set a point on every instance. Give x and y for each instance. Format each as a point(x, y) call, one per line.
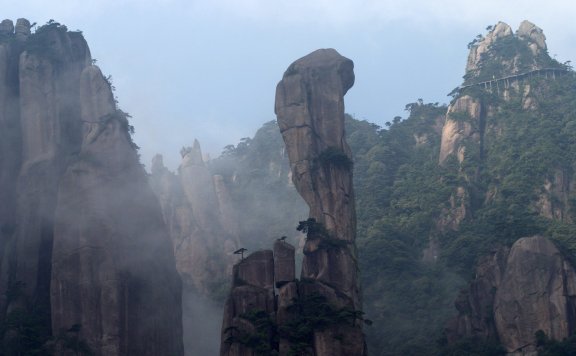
point(506, 56)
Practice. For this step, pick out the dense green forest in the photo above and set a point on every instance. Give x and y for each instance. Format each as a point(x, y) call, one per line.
point(412, 262)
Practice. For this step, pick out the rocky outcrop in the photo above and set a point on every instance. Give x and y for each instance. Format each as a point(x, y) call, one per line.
point(490, 48)
point(538, 292)
point(196, 208)
point(41, 114)
point(475, 305)
point(202, 246)
point(495, 68)
point(554, 196)
point(247, 326)
point(10, 150)
point(111, 248)
point(463, 121)
point(310, 112)
point(477, 52)
point(534, 35)
point(516, 293)
point(85, 245)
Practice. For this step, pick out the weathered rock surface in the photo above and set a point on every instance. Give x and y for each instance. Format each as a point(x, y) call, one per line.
point(22, 29)
point(190, 205)
point(310, 112)
point(534, 34)
point(500, 30)
point(196, 209)
point(10, 151)
point(538, 292)
point(475, 305)
point(252, 293)
point(517, 292)
point(6, 27)
point(111, 249)
point(84, 248)
point(553, 200)
point(458, 126)
point(470, 116)
point(284, 263)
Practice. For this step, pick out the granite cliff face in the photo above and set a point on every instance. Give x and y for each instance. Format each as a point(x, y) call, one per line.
point(190, 205)
point(518, 291)
point(268, 310)
point(310, 112)
point(191, 202)
point(84, 248)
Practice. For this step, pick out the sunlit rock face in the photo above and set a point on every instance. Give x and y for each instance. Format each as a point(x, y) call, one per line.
point(84, 247)
point(310, 112)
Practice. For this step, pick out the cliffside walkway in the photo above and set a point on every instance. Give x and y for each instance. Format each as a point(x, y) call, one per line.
point(505, 82)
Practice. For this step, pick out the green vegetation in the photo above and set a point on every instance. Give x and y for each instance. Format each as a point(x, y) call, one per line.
point(335, 157)
point(400, 193)
point(507, 56)
point(316, 230)
point(310, 313)
point(263, 341)
point(70, 340)
point(45, 41)
point(472, 347)
point(403, 197)
point(123, 118)
point(515, 180)
point(257, 170)
point(548, 347)
point(25, 329)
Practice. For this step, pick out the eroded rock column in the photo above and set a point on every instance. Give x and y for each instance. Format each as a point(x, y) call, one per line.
point(310, 112)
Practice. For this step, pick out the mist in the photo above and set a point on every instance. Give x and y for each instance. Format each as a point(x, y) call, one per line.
point(91, 226)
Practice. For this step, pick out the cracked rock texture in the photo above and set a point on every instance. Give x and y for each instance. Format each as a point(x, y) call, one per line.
point(310, 113)
point(516, 292)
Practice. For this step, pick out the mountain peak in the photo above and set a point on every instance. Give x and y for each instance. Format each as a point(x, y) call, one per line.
point(501, 52)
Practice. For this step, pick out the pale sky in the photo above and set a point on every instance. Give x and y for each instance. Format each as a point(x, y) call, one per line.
point(208, 69)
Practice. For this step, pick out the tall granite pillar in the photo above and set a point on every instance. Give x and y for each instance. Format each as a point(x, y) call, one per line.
point(310, 111)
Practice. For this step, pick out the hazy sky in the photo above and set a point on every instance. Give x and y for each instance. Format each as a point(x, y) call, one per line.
point(188, 69)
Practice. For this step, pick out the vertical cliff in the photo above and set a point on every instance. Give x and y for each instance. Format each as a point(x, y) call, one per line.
point(268, 310)
point(190, 205)
point(84, 245)
point(310, 111)
point(195, 207)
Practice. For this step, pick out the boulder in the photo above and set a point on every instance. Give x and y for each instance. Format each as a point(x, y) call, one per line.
point(534, 34)
point(537, 292)
point(516, 292)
